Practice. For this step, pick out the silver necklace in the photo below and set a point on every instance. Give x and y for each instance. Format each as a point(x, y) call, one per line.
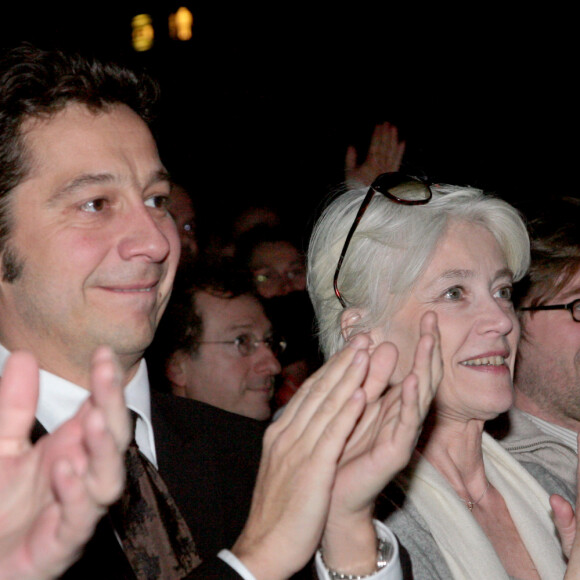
point(470, 504)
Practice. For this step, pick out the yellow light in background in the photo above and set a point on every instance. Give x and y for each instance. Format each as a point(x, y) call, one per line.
point(143, 33)
point(181, 24)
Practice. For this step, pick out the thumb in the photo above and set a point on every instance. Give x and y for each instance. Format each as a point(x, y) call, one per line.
point(350, 159)
point(565, 522)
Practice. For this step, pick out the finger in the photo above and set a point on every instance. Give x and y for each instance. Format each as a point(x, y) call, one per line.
point(108, 395)
point(428, 364)
point(397, 156)
point(320, 411)
point(565, 522)
point(325, 377)
point(105, 476)
point(429, 325)
point(376, 142)
point(330, 441)
point(326, 400)
point(410, 413)
point(18, 399)
point(65, 525)
point(382, 366)
point(389, 139)
point(350, 158)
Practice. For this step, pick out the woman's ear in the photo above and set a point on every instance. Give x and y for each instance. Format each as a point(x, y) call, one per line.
point(348, 320)
point(176, 372)
point(348, 327)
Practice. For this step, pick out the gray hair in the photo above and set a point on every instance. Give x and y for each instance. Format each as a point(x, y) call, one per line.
point(392, 247)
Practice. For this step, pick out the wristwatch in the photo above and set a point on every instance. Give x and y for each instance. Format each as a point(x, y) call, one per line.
point(384, 555)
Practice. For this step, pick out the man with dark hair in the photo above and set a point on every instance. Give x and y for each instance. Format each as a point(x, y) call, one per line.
point(216, 345)
point(545, 422)
point(89, 253)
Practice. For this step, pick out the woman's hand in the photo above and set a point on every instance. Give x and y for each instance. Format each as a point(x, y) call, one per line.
point(380, 446)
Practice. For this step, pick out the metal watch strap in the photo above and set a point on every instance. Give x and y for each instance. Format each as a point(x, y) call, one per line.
point(384, 555)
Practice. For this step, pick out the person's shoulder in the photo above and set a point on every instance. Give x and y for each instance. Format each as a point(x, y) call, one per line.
point(550, 481)
point(183, 414)
point(513, 427)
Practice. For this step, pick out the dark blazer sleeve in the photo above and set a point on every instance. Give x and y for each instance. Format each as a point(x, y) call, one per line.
point(214, 569)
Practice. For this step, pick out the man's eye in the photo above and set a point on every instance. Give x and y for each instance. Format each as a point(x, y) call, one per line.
point(262, 277)
point(158, 201)
point(94, 205)
point(296, 273)
point(455, 293)
point(244, 340)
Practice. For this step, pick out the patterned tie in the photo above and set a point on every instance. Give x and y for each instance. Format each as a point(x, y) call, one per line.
point(155, 537)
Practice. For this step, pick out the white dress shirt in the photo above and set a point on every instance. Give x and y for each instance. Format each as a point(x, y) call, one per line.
point(60, 399)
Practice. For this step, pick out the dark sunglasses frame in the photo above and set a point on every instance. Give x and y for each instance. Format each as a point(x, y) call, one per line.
point(385, 184)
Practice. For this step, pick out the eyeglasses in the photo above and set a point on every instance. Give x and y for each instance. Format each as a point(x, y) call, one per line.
point(397, 187)
point(573, 307)
point(272, 276)
point(247, 344)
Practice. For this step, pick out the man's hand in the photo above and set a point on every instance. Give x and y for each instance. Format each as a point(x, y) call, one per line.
point(53, 493)
point(385, 155)
point(568, 526)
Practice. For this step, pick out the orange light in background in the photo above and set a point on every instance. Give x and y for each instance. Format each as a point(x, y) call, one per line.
point(143, 33)
point(181, 24)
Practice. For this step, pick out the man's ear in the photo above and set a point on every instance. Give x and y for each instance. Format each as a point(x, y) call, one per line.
point(176, 372)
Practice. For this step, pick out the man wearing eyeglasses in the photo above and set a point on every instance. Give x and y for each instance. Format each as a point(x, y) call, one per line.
point(544, 425)
point(221, 348)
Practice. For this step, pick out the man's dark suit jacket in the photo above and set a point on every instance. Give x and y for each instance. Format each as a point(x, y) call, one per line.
point(209, 460)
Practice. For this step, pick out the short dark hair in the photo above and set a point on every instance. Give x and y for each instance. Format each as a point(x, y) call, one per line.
point(553, 223)
point(181, 326)
point(249, 241)
point(38, 83)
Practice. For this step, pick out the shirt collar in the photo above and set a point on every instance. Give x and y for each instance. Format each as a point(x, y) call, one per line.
point(566, 436)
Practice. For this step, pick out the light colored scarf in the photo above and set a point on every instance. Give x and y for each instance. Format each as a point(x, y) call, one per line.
point(466, 549)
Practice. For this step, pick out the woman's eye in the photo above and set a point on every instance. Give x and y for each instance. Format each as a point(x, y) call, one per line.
point(454, 293)
point(94, 205)
point(505, 293)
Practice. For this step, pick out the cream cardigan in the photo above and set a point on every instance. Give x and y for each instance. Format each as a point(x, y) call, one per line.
point(465, 548)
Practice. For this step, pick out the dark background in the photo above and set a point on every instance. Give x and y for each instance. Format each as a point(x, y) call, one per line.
point(263, 101)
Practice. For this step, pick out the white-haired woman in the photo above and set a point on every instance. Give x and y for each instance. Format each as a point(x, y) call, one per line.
point(464, 508)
